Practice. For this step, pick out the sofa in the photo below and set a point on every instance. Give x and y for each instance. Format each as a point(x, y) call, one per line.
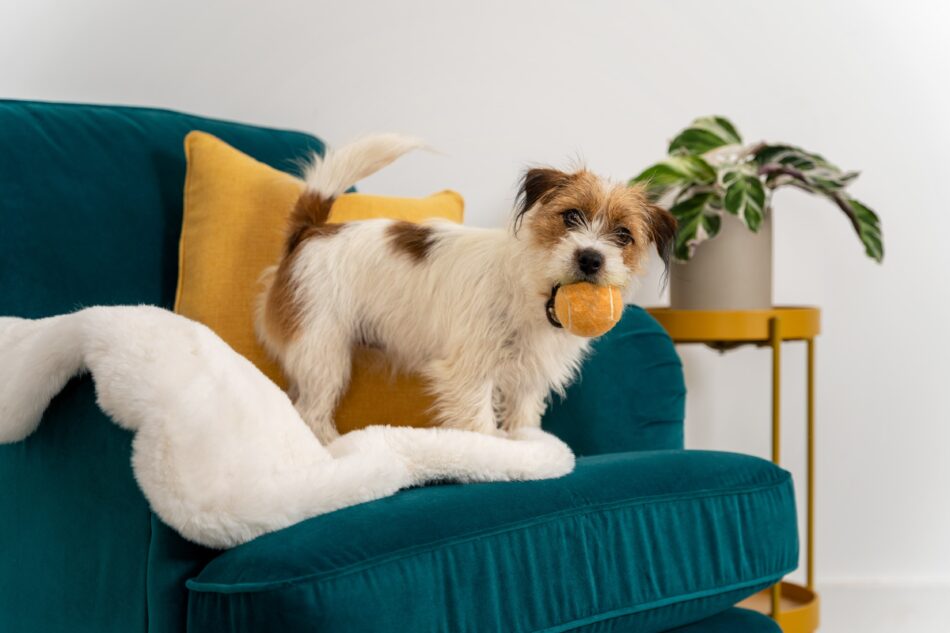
point(643, 536)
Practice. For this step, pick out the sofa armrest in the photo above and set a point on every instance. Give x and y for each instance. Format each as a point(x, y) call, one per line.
point(74, 526)
point(630, 395)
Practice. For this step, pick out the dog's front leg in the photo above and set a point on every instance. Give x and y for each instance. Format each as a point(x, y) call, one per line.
point(522, 406)
point(463, 396)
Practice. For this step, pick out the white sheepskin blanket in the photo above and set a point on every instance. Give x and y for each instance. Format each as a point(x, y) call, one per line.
point(219, 450)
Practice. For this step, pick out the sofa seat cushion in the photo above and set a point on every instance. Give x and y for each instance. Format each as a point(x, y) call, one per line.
point(646, 541)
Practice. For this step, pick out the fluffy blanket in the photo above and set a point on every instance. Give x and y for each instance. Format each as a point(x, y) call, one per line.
point(219, 450)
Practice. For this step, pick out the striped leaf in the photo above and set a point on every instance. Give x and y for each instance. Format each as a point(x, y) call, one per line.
point(868, 226)
point(745, 195)
point(783, 164)
point(698, 219)
point(676, 172)
point(789, 165)
point(704, 134)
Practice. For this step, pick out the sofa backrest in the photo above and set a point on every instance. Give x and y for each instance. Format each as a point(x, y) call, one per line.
point(90, 212)
point(630, 395)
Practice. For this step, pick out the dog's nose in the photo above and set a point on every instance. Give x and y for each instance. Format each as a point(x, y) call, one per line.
point(589, 261)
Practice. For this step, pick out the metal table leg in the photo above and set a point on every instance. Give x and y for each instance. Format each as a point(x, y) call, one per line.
point(775, 341)
point(810, 507)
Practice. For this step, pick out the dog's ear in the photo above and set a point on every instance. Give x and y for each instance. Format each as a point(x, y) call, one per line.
point(536, 184)
point(662, 232)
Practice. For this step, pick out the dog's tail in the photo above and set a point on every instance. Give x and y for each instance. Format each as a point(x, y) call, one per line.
point(330, 175)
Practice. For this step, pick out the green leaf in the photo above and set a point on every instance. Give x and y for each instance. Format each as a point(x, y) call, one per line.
point(786, 155)
point(745, 196)
point(698, 219)
point(674, 172)
point(705, 134)
point(868, 226)
point(783, 164)
point(786, 164)
point(695, 141)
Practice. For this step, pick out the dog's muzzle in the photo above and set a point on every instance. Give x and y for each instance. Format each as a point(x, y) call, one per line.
point(549, 308)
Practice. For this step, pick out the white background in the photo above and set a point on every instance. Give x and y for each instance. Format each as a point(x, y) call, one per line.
point(499, 85)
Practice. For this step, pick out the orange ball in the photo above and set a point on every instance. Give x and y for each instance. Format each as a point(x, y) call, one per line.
point(588, 310)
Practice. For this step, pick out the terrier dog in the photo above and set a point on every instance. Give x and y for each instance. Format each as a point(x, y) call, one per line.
point(469, 309)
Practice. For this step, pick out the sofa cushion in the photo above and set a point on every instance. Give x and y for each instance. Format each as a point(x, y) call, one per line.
point(233, 229)
point(635, 541)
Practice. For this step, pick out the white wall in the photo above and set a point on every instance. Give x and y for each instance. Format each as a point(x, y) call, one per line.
point(497, 85)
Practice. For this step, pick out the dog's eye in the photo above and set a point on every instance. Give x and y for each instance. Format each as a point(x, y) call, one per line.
point(572, 218)
point(623, 236)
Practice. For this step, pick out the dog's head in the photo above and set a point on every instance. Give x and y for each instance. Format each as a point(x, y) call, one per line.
point(586, 229)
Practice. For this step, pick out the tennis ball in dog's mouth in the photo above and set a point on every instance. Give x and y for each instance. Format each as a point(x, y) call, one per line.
point(587, 309)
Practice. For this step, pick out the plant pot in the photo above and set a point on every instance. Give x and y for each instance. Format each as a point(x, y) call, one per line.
point(732, 271)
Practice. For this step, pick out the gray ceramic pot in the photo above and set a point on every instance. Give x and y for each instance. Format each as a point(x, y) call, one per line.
point(732, 271)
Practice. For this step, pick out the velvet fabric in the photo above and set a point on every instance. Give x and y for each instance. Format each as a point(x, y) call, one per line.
point(90, 205)
point(90, 210)
point(630, 395)
point(732, 621)
point(649, 539)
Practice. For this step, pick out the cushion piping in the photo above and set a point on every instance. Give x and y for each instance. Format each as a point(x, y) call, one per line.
point(256, 587)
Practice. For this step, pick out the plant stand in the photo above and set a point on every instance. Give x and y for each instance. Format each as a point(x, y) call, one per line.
point(794, 607)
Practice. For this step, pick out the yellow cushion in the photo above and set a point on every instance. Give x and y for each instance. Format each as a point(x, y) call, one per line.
point(235, 213)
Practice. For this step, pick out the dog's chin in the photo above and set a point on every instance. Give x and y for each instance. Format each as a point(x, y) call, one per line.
point(553, 283)
point(591, 279)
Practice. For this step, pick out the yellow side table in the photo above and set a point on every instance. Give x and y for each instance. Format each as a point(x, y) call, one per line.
point(793, 606)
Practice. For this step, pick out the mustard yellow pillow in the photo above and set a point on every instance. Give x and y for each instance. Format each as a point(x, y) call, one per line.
point(235, 213)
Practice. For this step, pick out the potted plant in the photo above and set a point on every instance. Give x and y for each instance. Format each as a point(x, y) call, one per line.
point(717, 186)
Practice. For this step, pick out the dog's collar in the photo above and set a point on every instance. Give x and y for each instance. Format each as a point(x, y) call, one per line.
point(549, 308)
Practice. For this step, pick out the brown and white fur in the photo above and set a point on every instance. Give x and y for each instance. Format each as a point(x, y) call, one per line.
point(464, 307)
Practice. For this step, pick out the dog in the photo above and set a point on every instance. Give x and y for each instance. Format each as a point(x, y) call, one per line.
point(468, 309)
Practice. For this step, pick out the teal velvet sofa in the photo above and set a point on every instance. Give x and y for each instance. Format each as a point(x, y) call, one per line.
point(644, 536)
